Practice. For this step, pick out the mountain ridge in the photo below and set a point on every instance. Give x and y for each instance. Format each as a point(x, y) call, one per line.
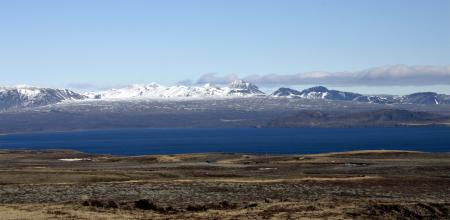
point(22, 96)
point(321, 92)
point(16, 97)
point(237, 88)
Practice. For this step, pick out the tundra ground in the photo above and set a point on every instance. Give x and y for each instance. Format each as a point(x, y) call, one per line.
point(350, 185)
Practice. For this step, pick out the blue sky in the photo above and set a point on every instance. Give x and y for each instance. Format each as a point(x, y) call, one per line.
point(111, 42)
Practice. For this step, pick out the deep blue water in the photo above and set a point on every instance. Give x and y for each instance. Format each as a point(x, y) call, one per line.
point(238, 140)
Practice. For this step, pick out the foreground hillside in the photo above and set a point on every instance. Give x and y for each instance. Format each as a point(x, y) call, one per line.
point(349, 185)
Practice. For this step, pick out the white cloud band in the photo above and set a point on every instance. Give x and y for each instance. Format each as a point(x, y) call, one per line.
point(398, 75)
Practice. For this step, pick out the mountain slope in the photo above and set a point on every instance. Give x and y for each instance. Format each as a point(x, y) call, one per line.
point(242, 88)
point(28, 96)
point(382, 117)
point(153, 90)
point(425, 98)
point(286, 92)
point(320, 92)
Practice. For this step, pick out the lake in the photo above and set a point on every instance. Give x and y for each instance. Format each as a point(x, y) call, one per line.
point(235, 140)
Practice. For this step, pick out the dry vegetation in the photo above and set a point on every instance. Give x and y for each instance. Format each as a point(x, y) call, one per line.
point(349, 185)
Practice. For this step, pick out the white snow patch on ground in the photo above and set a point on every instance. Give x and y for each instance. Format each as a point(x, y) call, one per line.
point(74, 159)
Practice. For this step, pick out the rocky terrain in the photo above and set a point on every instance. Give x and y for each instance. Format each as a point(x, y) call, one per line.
point(348, 185)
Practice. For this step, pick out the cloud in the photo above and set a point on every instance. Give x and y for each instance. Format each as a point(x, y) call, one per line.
point(392, 75)
point(213, 78)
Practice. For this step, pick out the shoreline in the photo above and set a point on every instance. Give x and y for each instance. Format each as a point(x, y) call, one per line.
point(408, 125)
point(330, 153)
point(228, 153)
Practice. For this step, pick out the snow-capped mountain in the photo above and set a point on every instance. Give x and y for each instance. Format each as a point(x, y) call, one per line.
point(320, 92)
point(286, 92)
point(153, 90)
point(29, 96)
point(242, 88)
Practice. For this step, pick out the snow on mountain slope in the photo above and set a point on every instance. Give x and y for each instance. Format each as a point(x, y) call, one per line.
point(18, 97)
point(153, 90)
point(28, 96)
point(242, 88)
point(320, 92)
point(286, 92)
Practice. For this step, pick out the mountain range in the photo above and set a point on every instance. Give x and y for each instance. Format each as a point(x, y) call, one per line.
point(18, 97)
point(237, 88)
point(320, 92)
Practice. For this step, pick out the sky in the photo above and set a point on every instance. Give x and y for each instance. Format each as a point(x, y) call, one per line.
point(389, 46)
